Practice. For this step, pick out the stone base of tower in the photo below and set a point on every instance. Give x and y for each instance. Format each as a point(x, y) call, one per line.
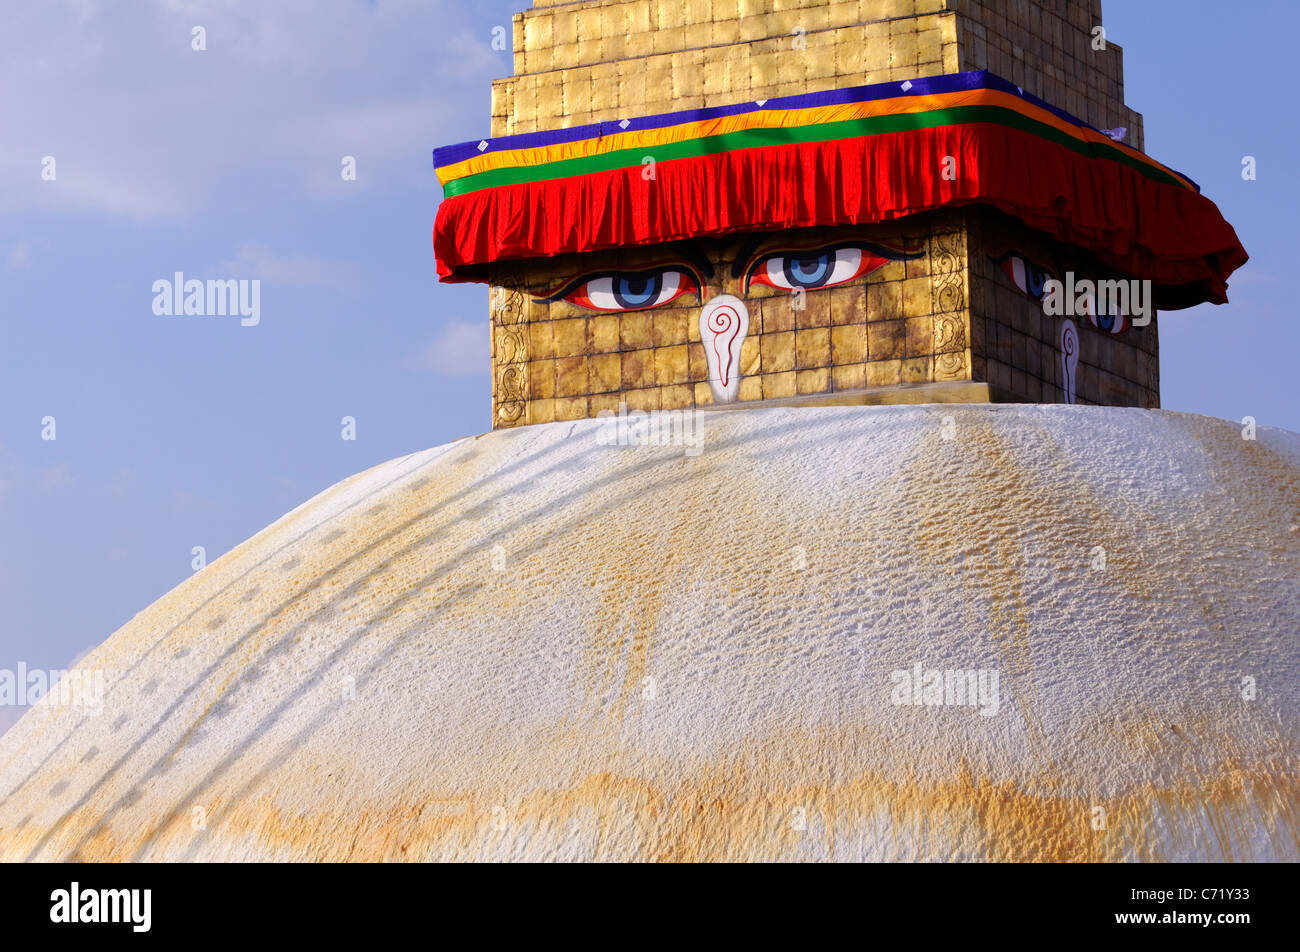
point(961, 391)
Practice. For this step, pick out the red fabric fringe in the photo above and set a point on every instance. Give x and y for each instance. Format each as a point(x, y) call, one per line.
point(1140, 227)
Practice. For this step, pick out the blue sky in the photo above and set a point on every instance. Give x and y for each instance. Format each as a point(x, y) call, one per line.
point(180, 432)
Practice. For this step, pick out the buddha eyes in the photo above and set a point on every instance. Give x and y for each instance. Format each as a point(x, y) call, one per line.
point(1107, 315)
point(786, 270)
point(798, 270)
point(631, 291)
point(1108, 320)
point(1028, 277)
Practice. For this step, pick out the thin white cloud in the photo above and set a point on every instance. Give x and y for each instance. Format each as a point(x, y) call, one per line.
point(54, 477)
point(77, 658)
point(8, 476)
point(182, 500)
point(254, 260)
point(460, 350)
point(19, 257)
point(143, 126)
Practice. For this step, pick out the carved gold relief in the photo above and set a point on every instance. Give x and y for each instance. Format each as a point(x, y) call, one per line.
point(509, 357)
point(948, 287)
point(948, 268)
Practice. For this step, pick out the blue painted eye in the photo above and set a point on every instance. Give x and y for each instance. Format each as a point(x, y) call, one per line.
point(1029, 278)
point(632, 291)
point(808, 272)
point(637, 290)
point(1035, 281)
point(795, 270)
point(1109, 321)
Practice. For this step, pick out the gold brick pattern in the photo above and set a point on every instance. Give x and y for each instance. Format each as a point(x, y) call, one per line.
point(1049, 48)
point(578, 63)
point(876, 331)
point(1014, 344)
point(949, 315)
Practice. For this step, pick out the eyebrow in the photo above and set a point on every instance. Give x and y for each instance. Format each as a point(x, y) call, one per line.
point(754, 242)
point(746, 252)
point(685, 250)
point(1038, 261)
point(695, 255)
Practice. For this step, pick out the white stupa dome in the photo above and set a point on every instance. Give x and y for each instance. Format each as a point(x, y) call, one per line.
point(531, 645)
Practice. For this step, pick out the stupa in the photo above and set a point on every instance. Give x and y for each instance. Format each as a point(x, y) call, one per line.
point(682, 204)
point(992, 627)
point(528, 645)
